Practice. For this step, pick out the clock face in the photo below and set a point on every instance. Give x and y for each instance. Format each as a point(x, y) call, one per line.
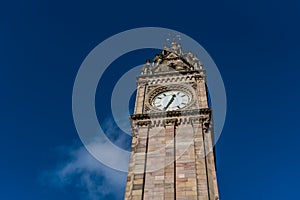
point(171, 100)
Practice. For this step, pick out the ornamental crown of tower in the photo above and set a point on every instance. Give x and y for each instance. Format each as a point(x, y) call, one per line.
point(172, 58)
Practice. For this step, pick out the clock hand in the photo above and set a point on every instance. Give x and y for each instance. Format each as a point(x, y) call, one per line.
point(171, 100)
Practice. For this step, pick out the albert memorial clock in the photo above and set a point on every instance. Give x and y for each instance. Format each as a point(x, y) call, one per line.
point(172, 153)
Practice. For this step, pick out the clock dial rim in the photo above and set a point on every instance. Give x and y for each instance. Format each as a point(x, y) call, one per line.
point(171, 100)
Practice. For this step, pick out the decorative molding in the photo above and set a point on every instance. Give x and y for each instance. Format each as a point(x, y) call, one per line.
point(168, 114)
point(172, 122)
point(206, 124)
point(203, 119)
point(171, 77)
point(142, 82)
point(151, 88)
point(144, 123)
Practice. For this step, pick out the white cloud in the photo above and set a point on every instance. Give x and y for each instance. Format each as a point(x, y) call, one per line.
point(94, 180)
point(87, 175)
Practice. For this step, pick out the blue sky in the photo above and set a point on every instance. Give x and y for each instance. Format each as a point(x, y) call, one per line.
point(255, 45)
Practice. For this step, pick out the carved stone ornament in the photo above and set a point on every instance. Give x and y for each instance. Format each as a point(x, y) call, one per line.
point(172, 59)
point(177, 113)
point(170, 122)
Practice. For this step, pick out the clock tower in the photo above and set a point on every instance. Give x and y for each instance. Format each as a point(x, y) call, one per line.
point(172, 153)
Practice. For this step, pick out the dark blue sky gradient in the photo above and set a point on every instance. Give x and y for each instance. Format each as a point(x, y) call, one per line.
point(255, 45)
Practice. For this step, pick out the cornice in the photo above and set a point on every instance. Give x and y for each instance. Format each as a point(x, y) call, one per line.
point(172, 73)
point(170, 78)
point(168, 114)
